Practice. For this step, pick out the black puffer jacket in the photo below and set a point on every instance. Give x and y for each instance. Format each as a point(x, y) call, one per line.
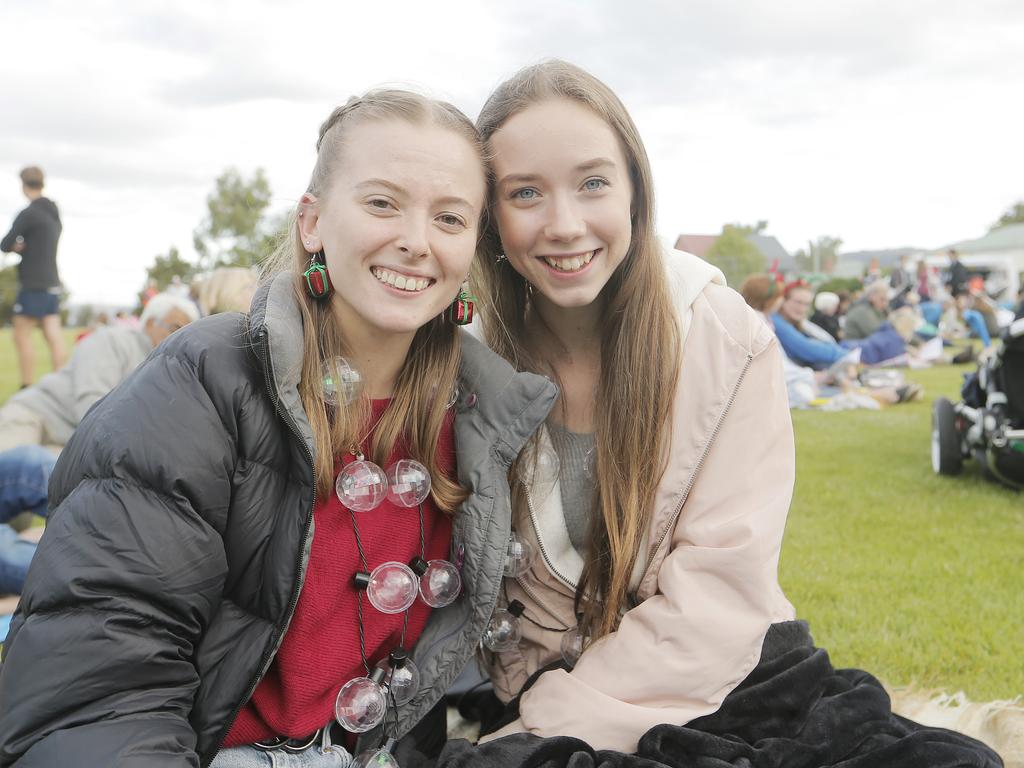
point(179, 535)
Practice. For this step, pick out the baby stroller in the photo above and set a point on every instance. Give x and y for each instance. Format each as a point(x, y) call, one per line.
point(988, 424)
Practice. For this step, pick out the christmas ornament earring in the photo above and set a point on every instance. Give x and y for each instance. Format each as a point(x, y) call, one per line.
point(461, 310)
point(318, 282)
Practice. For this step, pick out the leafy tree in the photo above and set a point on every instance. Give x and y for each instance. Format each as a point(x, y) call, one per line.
point(166, 267)
point(85, 315)
point(751, 229)
point(233, 232)
point(161, 273)
point(821, 255)
point(735, 255)
point(1015, 215)
point(835, 284)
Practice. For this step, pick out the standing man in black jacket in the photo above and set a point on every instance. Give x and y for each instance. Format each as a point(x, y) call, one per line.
point(34, 236)
point(958, 275)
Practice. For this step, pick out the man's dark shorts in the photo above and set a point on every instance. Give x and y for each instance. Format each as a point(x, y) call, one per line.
point(38, 303)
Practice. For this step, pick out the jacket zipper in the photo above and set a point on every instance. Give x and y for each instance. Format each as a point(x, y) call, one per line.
point(672, 520)
point(540, 540)
point(696, 470)
point(536, 598)
point(268, 655)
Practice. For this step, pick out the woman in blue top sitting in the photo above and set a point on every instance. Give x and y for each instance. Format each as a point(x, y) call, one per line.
point(817, 353)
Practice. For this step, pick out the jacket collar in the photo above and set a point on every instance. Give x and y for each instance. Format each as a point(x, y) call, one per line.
point(275, 325)
point(489, 387)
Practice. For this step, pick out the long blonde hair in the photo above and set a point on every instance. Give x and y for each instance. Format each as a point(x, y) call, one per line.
point(428, 376)
point(640, 347)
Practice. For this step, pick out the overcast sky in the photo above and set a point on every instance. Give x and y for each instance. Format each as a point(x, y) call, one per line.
point(886, 123)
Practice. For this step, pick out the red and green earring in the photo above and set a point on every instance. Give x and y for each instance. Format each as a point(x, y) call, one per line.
point(460, 311)
point(318, 282)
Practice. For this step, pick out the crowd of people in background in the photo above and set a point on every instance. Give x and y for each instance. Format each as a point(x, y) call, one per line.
point(220, 507)
point(37, 421)
point(836, 342)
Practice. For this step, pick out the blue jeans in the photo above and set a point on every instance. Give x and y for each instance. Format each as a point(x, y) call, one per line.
point(976, 322)
point(932, 312)
point(321, 755)
point(24, 475)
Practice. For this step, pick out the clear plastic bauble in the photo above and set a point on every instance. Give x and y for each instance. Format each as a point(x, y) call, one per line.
point(503, 632)
point(342, 383)
point(402, 682)
point(361, 485)
point(540, 471)
point(408, 483)
point(360, 705)
point(572, 645)
point(440, 584)
point(519, 556)
point(548, 464)
point(392, 587)
point(375, 758)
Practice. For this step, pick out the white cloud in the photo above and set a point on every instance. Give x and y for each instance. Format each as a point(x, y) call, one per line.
point(882, 123)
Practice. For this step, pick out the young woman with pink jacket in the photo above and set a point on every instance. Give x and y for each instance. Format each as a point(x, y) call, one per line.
point(655, 497)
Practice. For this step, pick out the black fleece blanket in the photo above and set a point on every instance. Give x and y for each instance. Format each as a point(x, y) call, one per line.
point(795, 710)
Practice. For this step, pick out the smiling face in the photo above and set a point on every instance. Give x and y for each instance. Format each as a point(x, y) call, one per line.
point(796, 305)
point(398, 224)
point(562, 199)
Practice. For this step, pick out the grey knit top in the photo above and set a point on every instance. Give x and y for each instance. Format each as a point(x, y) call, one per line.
point(575, 457)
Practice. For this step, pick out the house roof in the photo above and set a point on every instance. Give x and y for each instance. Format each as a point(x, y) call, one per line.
point(698, 245)
point(772, 250)
point(769, 247)
point(1007, 238)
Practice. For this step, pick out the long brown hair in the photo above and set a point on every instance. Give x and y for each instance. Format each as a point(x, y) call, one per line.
point(428, 377)
point(640, 345)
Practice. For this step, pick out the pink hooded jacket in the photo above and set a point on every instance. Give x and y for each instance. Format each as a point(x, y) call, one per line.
point(707, 585)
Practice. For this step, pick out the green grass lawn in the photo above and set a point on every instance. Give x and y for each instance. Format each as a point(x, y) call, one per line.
point(916, 578)
point(10, 378)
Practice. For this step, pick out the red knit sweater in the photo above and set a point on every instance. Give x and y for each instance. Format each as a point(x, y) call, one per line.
point(320, 651)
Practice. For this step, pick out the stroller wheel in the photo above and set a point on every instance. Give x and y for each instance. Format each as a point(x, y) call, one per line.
point(946, 456)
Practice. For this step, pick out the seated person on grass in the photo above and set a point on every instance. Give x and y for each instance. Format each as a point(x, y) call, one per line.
point(870, 313)
point(826, 314)
point(805, 349)
point(804, 385)
point(48, 412)
point(24, 476)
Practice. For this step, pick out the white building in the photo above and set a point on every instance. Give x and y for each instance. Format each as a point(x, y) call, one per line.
point(998, 257)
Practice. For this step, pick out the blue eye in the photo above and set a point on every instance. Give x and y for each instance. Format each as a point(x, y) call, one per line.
point(595, 184)
point(451, 220)
point(527, 193)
